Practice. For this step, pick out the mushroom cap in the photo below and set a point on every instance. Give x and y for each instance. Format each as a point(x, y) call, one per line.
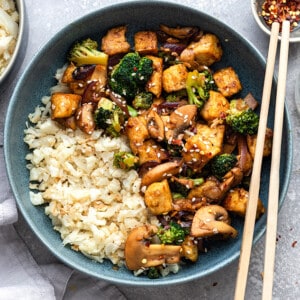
point(139, 253)
point(212, 220)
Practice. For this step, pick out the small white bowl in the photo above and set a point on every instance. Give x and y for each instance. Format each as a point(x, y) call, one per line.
point(256, 6)
point(20, 9)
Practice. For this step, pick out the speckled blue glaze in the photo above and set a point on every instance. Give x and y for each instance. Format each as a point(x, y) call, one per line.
point(39, 77)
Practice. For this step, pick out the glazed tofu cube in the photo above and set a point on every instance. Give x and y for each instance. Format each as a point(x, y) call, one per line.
point(145, 42)
point(252, 139)
point(203, 146)
point(227, 81)
point(215, 107)
point(64, 105)
point(158, 197)
point(236, 202)
point(204, 52)
point(154, 84)
point(150, 151)
point(68, 74)
point(137, 132)
point(76, 86)
point(174, 78)
point(115, 42)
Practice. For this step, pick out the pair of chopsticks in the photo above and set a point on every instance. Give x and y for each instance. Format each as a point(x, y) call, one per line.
point(275, 168)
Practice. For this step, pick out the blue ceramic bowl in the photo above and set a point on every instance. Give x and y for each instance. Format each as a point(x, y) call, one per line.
point(39, 77)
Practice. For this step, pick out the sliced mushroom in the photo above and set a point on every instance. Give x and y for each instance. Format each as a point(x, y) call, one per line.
point(179, 32)
point(179, 120)
point(160, 172)
point(245, 161)
point(84, 118)
point(139, 253)
point(188, 204)
point(214, 190)
point(155, 125)
point(212, 220)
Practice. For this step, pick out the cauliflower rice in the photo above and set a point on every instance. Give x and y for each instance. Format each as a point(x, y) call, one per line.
point(9, 27)
point(90, 202)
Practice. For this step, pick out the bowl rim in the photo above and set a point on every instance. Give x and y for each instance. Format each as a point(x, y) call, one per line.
point(20, 5)
point(13, 184)
point(263, 26)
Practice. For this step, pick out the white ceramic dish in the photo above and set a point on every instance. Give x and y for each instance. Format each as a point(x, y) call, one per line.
point(20, 7)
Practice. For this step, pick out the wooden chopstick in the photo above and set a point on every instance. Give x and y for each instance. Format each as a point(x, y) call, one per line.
point(275, 166)
point(256, 171)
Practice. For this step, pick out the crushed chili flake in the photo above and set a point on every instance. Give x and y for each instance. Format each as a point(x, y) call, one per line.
point(280, 10)
point(294, 244)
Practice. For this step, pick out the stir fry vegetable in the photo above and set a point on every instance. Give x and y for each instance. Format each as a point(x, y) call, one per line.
point(191, 135)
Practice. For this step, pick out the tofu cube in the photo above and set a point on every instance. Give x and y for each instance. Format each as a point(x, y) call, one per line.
point(68, 74)
point(236, 203)
point(115, 42)
point(154, 84)
point(215, 107)
point(205, 52)
point(158, 198)
point(227, 81)
point(145, 42)
point(64, 105)
point(174, 78)
point(137, 132)
point(203, 146)
point(150, 151)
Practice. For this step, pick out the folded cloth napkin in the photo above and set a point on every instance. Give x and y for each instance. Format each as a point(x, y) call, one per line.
point(20, 275)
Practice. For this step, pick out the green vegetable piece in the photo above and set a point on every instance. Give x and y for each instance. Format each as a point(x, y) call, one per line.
point(125, 160)
point(130, 75)
point(86, 52)
point(153, 273)
point(198, 86)
point(172, 234)
point(142, 100)
point(222, 163)
point(109, 116)
point(244, 122)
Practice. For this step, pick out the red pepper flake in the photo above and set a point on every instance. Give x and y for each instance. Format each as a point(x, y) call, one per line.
point(280, 10)
point(294, 244)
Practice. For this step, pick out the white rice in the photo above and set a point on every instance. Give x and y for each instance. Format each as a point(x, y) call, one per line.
point(9, 18)
point(90, 202)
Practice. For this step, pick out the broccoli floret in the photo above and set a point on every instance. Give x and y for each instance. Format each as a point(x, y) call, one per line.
point(153, 273)
point(142, 100)
point(130, 75)
point(198, 86)
point(172, 233)
point(144, 71)
point(242, 120)
point(181, 190)
point(86, 52)
point(222, 163)
point(109, 116)
point(176, 96)
point(125, 160)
